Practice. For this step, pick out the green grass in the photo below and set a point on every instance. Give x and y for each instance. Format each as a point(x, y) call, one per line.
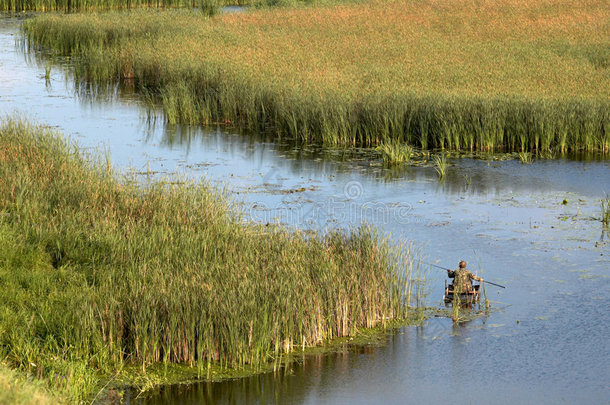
point(17, 389)
point(525, 157)
point(440, 165)
point(501, 75)
point(99, 274)
point(394, 153)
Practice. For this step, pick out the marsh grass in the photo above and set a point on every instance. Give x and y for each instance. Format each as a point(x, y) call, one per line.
point(455, 310)
point(505, 76)
point(208, 7)
point(605, 206)
point(88, 5)
point(440, 165)
point(525, 157)
point(395, 153)
point(485, 300)
point(99, 273)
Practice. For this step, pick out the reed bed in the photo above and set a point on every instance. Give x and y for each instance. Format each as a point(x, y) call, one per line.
point(209, 7)
point(98, 273)
point(75, 5)
point(492, 75)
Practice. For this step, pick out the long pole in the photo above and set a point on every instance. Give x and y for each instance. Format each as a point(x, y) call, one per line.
point(444, 268)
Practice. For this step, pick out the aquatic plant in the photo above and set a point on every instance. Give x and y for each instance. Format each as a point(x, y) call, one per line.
point(209, 7)
point(605, 218)
point(100, 272)
point(455, 307)
point(440, 165)
point(529, 86)
point(395, 153)
point(80, 5)
point(525, 157)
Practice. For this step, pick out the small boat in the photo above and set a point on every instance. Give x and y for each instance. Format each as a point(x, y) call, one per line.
point(469, 297)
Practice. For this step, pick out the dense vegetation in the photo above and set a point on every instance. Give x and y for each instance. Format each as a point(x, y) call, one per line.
point(505, 75)
point(209, 6)
point(16, 389)
point(97, 273)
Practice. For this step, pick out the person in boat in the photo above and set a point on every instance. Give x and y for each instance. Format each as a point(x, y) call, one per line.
point(462, 278)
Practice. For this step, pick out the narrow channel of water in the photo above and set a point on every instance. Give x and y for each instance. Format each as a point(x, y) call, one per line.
point(545, 339)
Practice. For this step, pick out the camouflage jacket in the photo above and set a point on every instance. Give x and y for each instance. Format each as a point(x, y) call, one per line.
point(462, 279)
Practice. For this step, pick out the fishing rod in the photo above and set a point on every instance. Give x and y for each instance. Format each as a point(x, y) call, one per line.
point(444, 268)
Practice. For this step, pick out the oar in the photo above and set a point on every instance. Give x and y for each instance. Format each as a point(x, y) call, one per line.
point(497, 285)
point(444, 268)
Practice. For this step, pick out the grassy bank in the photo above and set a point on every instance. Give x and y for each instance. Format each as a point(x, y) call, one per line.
point(98, 275)
point(501, 75)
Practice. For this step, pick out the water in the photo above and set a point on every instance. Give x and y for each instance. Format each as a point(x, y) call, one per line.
point(545, 339)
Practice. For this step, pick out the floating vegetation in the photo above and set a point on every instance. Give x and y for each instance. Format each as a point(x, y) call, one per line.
point(254, 70)
point(99, 273)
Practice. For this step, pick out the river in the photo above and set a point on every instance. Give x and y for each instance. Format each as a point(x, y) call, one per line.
point(545, 338)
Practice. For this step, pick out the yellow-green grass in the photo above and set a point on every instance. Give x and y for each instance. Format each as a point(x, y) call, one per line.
point(510, 75)
point(18, 389)
point(98, 274)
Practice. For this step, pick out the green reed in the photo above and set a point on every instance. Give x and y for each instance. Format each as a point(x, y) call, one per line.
point(525, 157)
point(76, 5)
point(440, 165)
point(98, 273)
point(395, 153)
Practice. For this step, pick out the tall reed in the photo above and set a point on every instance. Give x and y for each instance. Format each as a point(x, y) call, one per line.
point(209, 7)
point(99, 272)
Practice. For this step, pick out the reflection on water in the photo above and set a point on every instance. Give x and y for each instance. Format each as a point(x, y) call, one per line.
point(544, 340)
